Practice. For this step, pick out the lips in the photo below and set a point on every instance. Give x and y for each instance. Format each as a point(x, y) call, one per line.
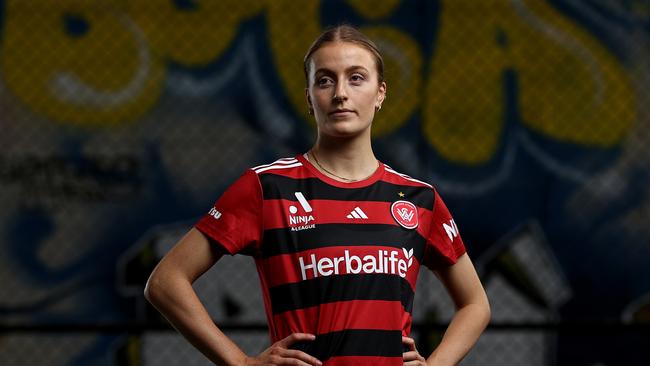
point(340, 112)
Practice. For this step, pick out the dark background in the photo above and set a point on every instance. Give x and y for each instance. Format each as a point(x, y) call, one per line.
point(122, 121)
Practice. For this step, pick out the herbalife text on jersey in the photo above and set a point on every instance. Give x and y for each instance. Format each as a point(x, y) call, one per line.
point(384, 262)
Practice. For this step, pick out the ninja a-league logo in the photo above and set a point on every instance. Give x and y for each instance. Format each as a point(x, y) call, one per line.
point(301, 221)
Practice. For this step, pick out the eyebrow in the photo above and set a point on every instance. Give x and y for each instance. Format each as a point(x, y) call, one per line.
point(324, 70)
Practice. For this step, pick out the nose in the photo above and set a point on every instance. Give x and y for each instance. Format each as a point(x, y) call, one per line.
point(340, 92)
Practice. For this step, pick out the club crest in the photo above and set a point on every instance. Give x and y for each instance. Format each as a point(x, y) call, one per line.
point(405, 213)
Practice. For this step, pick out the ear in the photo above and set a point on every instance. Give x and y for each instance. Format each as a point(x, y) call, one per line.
point(381, 94)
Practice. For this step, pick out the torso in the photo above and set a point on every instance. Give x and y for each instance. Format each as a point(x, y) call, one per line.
point(341, 260)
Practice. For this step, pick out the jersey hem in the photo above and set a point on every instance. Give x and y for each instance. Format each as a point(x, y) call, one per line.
point(226, 244)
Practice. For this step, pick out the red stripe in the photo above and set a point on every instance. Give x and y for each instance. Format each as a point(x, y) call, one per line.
point(285, 268)
point(364, 361)
point(337, 316)
point(335, 212)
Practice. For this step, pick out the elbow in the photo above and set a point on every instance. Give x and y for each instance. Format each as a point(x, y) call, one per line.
point(487, 311)
point(480, 308)
point(153, 289)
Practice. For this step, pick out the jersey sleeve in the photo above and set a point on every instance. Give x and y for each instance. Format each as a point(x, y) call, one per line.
point(235, 220)
point(444, 244)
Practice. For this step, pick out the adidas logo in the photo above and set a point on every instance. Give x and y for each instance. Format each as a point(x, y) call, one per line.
point(357, 213)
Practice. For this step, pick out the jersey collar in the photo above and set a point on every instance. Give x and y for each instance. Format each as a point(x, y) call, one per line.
point(379, 172)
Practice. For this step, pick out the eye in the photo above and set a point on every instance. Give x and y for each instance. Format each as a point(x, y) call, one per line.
point(357, 78)
point(324, 81)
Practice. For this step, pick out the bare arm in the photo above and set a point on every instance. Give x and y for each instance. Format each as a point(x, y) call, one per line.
point(169, 289)
point(472, 312)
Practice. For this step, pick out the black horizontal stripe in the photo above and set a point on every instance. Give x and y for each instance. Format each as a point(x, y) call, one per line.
point(354, 342)
point(285, 241)
point(281, 187)
point(320, 290)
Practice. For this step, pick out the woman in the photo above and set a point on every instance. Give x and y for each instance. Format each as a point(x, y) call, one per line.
point(337, 237)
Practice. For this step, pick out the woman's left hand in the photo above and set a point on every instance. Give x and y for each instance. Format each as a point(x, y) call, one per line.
point(412, 357)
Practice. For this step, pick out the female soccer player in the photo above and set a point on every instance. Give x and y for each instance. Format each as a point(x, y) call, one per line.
point(337, 236)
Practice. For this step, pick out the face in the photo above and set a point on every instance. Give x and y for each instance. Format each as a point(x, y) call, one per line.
point(344, 90)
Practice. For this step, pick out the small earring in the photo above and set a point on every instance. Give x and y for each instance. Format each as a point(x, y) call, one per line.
point(311, 111)
point(378, 108)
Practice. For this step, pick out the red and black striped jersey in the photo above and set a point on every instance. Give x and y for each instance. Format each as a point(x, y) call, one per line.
point(338, 260)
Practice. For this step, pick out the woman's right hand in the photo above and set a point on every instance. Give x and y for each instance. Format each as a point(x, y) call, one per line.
point(280, 354)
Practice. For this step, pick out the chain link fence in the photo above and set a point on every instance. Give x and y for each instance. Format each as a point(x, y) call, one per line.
point(122, 121)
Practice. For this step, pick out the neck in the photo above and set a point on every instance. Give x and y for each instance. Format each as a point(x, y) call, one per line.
point(344, 159)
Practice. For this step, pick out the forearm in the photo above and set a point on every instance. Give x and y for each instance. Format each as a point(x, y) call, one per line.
point(178, 302)
point(464, 330)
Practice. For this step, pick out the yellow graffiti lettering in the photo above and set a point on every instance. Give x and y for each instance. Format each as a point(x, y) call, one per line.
point(570, 87)
point(102, 62)
point(69, 71)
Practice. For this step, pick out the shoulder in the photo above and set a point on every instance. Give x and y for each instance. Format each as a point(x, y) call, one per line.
point(280, 166)
point(421, 193)
point(393, 176)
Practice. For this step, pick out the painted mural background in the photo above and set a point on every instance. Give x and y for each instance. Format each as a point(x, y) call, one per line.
point(122, 121)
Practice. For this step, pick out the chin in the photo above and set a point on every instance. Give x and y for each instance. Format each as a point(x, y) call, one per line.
point(346, 128)
point(344, 133)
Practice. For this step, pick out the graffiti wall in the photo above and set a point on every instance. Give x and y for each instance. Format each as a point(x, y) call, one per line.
point(122, 121)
